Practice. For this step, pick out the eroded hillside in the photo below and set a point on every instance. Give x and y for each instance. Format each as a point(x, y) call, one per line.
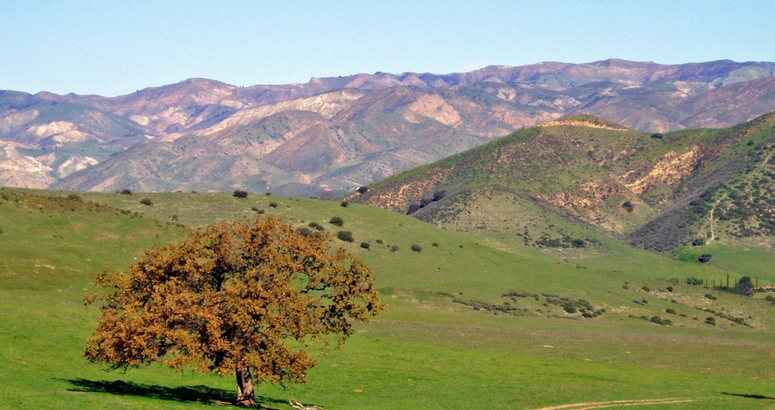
point(653, 190)
point(335, 134)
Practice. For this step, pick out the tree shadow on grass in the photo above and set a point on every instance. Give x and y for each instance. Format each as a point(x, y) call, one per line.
point(750, 396)
point(199, 394)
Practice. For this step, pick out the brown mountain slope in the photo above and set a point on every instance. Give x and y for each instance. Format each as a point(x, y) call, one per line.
point(348, 131)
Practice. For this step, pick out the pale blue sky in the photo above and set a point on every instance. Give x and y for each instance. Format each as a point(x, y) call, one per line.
point(112, 47)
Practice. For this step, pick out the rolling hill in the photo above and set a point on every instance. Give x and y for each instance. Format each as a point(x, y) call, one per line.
point(477, 320)
point(658, 191)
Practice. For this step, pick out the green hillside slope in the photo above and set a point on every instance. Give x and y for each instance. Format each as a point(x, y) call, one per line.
point(651, 190)
point(473, 320)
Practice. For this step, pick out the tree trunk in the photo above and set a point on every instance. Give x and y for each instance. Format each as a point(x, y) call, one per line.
point(245, 390)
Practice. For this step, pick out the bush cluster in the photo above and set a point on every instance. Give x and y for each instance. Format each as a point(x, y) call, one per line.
point(346, 236)
point(336, 221)
point(704, 258)
point(662, 322)
point(437, 196)
point(695, 281)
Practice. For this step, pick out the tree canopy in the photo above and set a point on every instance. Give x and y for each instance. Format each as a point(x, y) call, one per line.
point(241, 298)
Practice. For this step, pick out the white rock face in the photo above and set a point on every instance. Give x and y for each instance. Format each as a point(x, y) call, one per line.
point(11, 121)
point(17, 170)
point(52, 128)
point(75, 164)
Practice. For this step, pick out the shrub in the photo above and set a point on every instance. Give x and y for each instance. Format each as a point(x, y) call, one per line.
point(710, 320)
point(705, 257)
point(362, 190)
point(568, 307)
point(646, 289)
point(305, 231)
point(379, 241)
point(394, 248)
point(439, 195)
point(670, 311)
point(669, 288)
point(126, 192)
point(273, 204)
point(698, 242)
point(435, 244)
point(146, 201)
point(1, 231)
point(336, 221)
point(260, 211)
point(417, 248)
point(75, 197)
point(694, 281)
point(316, 226)
point(662, 322)
point(254, 209)
point(744, 286)
point(344, 204)
point(365, 245)
point(268, 193)
point(627, 205)
point(657, 135)
point(710, 296)
point(346, 236)
point(240, 194)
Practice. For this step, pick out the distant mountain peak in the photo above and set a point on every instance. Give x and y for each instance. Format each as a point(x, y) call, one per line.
point(349, 131)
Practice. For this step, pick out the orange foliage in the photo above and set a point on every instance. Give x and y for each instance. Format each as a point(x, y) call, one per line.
point(235, 297)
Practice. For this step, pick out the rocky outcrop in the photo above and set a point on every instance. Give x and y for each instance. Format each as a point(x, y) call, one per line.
point(673, 168)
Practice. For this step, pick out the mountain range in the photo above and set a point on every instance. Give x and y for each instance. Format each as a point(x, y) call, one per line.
point(332, 135)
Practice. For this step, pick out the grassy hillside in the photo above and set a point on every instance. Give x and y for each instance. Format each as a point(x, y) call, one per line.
point(656, 191)
point(473, 320)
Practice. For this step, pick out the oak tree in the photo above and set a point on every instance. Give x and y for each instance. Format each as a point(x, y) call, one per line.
point(241, 298)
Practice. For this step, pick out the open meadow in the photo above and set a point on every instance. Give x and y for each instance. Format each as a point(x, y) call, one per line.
point(476, 321)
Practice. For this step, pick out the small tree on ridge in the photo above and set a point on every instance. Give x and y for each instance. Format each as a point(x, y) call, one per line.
point(233, 299)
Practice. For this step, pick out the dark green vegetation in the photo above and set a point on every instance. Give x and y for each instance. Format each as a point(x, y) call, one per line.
point(475, 320)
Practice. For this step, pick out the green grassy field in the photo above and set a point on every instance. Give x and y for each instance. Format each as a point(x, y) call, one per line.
point(430, 349)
